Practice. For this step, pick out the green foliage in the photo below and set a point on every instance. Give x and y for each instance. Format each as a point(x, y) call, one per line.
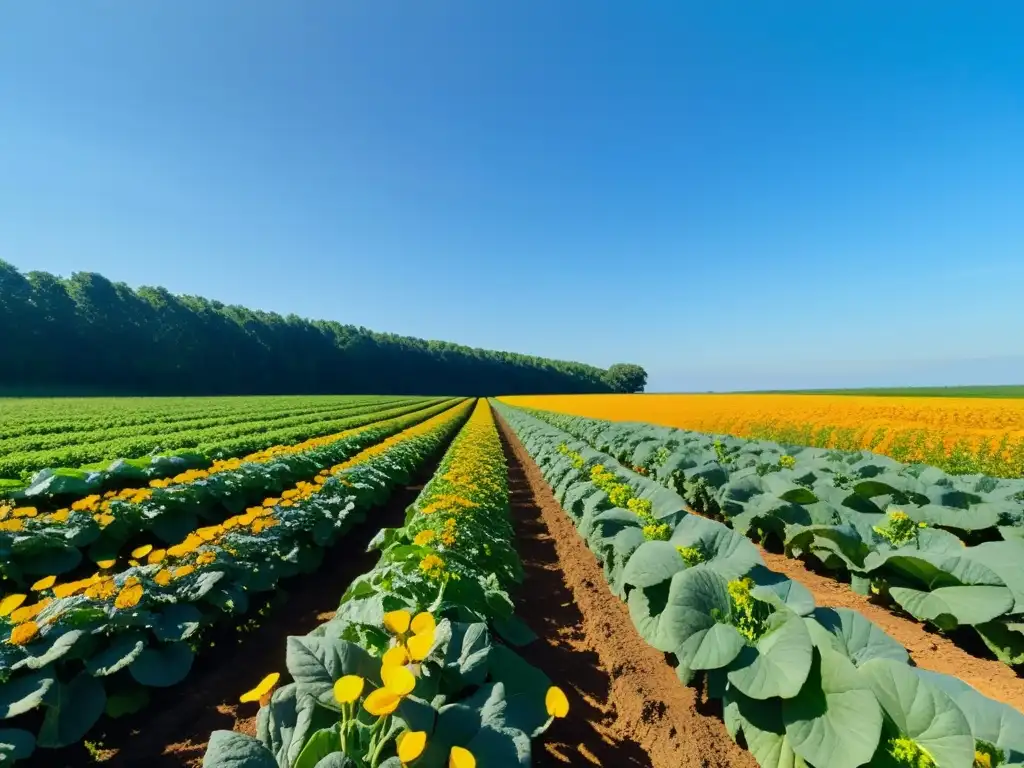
point(626, 378)
point(90, 334)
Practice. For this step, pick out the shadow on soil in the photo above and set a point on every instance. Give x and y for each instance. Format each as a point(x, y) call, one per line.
point(546, 603)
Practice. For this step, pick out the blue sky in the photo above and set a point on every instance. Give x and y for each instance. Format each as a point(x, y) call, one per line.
point(736, 195)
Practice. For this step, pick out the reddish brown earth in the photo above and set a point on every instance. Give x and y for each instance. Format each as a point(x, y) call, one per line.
point(627, 707)
point(929, 650)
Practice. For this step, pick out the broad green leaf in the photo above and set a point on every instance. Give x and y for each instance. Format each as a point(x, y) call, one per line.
point(921, 711)
point(25, 692)
point(123, 650)
point(780, 591)
point(163, 665)
point(713, 648)
point(178, 621)
point(780, 663)
point(16, 744)
point(854, 635)
point(228, 749)
point(949, 606)
point(835, 719)
point(695, 596)
point(315, 663)
point(321, 744)
point(652, 563)
point(763, 730)
point(72, 712)
point(49, 649)
point(127, 702)
point(505, 747)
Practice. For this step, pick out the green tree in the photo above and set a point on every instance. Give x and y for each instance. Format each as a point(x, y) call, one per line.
point(627, 378)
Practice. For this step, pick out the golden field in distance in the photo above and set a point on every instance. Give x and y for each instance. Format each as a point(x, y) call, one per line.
point(959, 434)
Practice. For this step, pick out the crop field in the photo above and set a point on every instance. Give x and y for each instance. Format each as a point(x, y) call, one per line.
point(962, 435)
point(378, 582)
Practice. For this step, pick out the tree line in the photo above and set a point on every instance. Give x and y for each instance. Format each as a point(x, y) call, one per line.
point(88, 335)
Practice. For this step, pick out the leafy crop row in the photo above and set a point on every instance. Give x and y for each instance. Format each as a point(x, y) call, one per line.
point(217, 442)
point(99, 529)
point(799, 685)
point(200, 429)
point(946, 549)
point(50, 486)
point(97, 644)
point(407, 672)
point(70, 415)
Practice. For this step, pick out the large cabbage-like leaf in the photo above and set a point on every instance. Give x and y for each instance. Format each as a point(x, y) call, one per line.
point(694, 597)
point(854, 635)
point(780, 662)
point(949, 607)
point(228, 749)
point(835, 719)
point(921, 711)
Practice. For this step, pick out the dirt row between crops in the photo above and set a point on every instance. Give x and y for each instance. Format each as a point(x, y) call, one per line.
point(627, 707)
point(928, 649)
point(174, 729)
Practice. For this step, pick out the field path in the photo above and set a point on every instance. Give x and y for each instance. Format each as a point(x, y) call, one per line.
point(929, 650)
point(628, 708)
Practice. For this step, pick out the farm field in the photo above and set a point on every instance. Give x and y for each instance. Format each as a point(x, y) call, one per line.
point(961, 435)
point(90, 433)
point(351, 592)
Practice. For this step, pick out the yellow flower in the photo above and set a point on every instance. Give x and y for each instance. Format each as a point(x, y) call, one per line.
point(395, 657)
point(397, 621)
point(102, 589)
point(381, 702)
point(12, 525)
point(205, 558)
point(104, 564)
point(460, 757)
point(398, 680)
point(419, 645)
point(432, 566)
point(348, 689)
point(183, 571)
point(44, 583)
point(29, 612)
point(26, 512)
point(163, 577)
point(261, 690)
point(129, 597)
point(24, 633)
point(556, 702)
point(411, 745)
point(423, 622)
point(156, 556)
point(424, 537)
point(142, 551)
point(10, 603)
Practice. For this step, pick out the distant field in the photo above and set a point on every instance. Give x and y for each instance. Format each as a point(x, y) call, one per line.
point(998, 391)
point(38, 433)
point(961, 434)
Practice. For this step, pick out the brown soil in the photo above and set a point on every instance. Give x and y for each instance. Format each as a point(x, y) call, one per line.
point(928, 649)
point(627, 707)
point(173, 730)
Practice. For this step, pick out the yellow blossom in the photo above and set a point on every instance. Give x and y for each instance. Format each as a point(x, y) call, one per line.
point(397, 621)
point(10, 603)
point(556, 702)
point(381, 702)
point(460, 757)
point(411, 745)
point(24, 633)
point(129, 596)
point(261, 690)
point(44, 583)
point(348, 689)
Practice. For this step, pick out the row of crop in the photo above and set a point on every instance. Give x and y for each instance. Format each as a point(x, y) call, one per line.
point(201, 429)
point(99, 530)
point(801, 685)
point(52, 486)
point(97, 645)
point(945, 549)
point(216, 442)
point(47, 416)
point(407, 672)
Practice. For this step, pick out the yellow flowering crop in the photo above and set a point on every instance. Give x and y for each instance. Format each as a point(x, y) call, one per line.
point(957, 434)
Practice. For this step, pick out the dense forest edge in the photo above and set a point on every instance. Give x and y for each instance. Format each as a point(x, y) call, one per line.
point(87, 335)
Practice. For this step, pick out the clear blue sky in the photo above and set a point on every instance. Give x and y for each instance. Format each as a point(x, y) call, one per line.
point(733, 194)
